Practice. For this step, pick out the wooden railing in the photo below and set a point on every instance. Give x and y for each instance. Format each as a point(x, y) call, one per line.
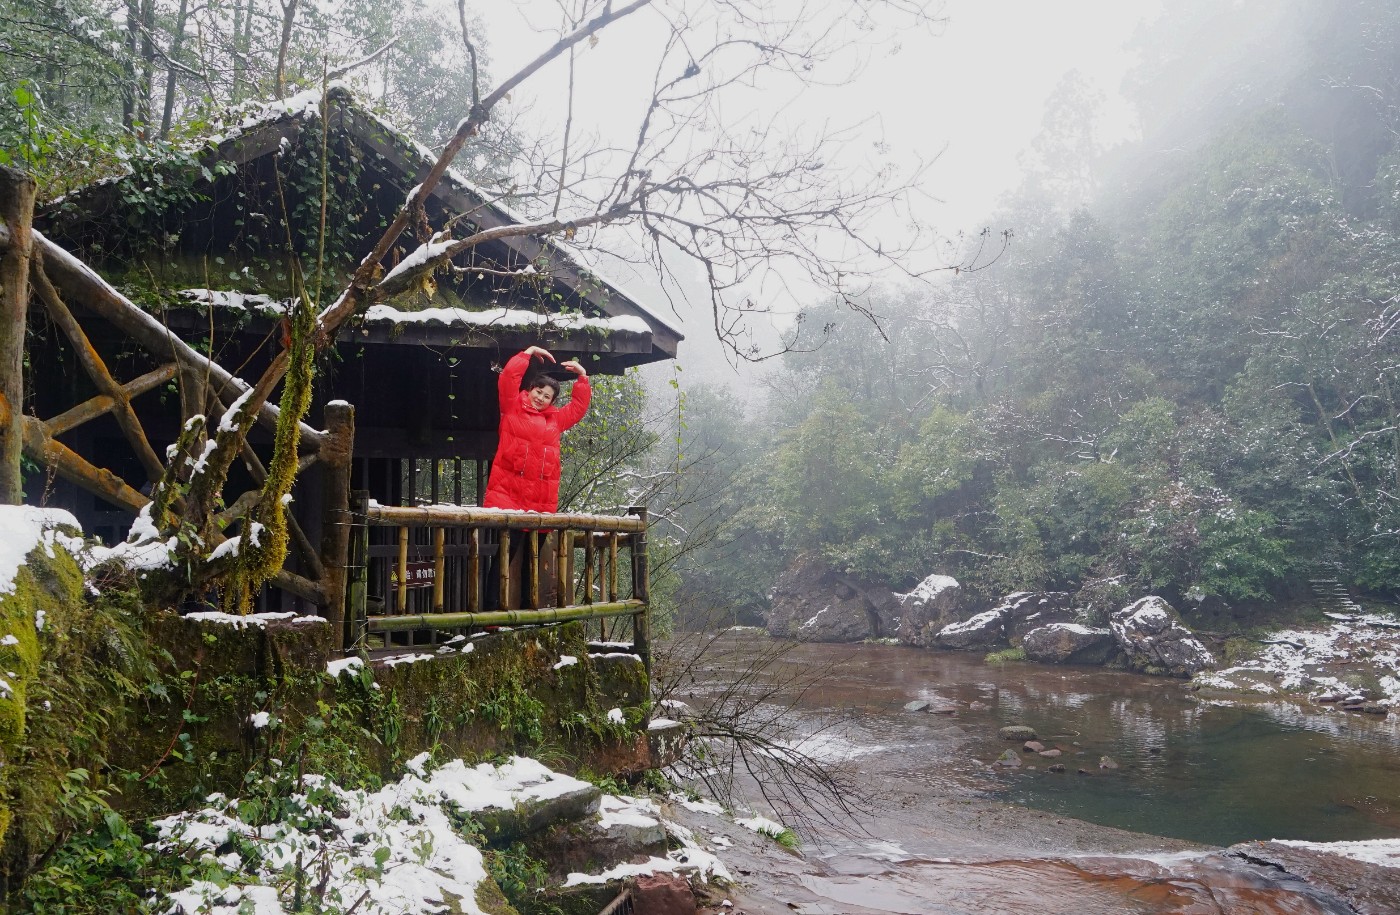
point(425, 569)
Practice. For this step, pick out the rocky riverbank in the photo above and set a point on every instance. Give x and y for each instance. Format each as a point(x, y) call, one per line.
point(1349, 661)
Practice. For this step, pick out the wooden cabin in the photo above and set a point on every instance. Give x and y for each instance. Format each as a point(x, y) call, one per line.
point(212, 244)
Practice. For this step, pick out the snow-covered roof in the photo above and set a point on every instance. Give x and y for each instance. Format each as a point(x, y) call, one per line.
point(488, 207)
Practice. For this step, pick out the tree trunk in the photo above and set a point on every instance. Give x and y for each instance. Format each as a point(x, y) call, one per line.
point(133, 45)
point(289, 15)
point(171, 73)
point(148, 65)
point(17, 191)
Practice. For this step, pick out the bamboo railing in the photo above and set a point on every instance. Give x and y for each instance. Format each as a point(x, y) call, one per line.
point(444, 567)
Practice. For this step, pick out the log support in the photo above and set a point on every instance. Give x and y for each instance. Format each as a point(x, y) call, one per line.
point(17, 192)
point(336, 451)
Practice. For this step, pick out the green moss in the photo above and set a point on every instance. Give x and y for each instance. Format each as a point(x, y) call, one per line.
point(1005, 655)
point(491, 900)
point(91, 662)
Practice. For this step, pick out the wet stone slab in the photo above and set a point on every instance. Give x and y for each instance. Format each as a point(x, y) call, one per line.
point(1367, 888)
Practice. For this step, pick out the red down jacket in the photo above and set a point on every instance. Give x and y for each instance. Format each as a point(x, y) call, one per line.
point(525, 472)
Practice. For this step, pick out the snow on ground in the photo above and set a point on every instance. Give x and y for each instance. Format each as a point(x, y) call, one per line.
point(395, 850)
point(1321, 662)
point(762, 824)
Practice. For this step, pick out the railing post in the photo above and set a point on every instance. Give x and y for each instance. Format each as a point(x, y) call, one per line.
point(474, 570)
point(439, 568)
point(641, 589)
point(532, 570)
point(563, 550)
point(17, 192)
point(335, 455)
point(401, 599)
point(612, 568)
point(357, 586)
point(503, 566)
point(588, 552)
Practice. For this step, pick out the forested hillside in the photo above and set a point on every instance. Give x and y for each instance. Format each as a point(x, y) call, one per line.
point(1180, 378)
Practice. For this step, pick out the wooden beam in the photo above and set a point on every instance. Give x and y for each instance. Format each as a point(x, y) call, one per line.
point(78, 283)
point(293, 583)
point(100, 405)
point(472, 516)
point(97, 370)
point(41, 446)
point(501, 617)
point(17, 191)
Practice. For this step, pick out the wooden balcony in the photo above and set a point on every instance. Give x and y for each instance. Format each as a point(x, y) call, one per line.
point(415, 573)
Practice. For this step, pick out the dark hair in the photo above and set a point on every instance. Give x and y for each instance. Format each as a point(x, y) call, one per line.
point(541, 380)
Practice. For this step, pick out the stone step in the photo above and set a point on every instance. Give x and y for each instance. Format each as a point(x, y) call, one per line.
point(570, 804)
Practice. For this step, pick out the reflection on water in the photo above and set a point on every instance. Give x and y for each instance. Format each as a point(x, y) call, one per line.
point(1207, 772)
point(1211, 773)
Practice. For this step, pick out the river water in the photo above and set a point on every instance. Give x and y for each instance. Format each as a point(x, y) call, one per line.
point(937, 823)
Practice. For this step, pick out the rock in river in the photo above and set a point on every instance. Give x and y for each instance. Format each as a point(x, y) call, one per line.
point(814, 602)
point(1150, 632)
point(1068, 643)
point(926, 609)
point(1027, 610)
point(982, 631)
point(1017, 732)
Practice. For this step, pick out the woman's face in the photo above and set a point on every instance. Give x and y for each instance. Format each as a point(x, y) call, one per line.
point(541, 396)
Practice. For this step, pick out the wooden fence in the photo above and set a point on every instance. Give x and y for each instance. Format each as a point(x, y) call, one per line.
point(428, 569)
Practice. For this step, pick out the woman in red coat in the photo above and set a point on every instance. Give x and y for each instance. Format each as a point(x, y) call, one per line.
point(525, 472)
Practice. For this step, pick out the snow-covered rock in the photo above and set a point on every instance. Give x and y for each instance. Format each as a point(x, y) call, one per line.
point(930, 606)
point(1027, 610)
point(1068, 643)
point(1150, 632)
point(984, 630)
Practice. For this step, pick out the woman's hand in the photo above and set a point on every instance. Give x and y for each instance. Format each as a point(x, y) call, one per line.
point(573, 366)
point(541, 352)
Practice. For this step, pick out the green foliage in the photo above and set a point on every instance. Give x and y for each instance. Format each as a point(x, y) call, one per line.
point(108, 868)
point(514, 710)
point(1005, 655)
point(519, 874)
point(1190, 390)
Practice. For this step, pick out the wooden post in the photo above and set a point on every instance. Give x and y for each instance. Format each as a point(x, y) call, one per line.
point(17, 192)
point(503, 565)
point(474, 570)
point(439, 568)
point(402, 600)
point(641, 588)
point(588, 551)
point(612, 568)
point(532, 570)
point(357, 587)
point(563, 586)
point(336, 453)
